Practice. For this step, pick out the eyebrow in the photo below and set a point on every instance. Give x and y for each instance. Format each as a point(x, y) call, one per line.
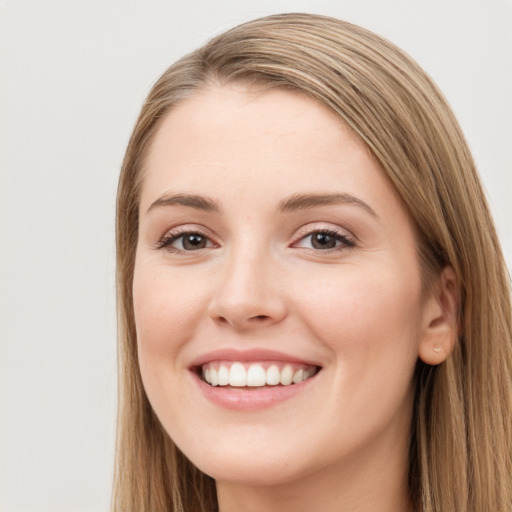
point(193, 201)
point(290, 204)
point(306, 201)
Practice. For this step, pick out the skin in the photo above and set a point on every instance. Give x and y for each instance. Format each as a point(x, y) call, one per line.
point(356, 310)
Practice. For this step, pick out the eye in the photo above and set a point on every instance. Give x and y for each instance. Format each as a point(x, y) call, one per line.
point(185, 241)
point(325, 240)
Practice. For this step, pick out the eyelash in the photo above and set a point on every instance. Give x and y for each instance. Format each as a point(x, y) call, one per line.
point(172, 236)
point(346, 242)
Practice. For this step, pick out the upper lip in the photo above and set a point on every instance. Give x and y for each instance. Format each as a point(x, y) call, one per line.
point(255, 355)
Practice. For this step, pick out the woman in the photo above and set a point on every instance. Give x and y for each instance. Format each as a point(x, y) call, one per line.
point(314, 309)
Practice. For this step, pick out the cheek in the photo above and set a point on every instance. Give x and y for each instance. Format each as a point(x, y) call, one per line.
point(167, 313)
point(161, 306)
point(369, 322)
point(368, 319)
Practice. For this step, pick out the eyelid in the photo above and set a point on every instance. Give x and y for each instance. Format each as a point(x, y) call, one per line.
point(314, 227)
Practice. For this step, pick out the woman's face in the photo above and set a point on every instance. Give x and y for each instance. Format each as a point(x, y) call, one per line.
point(272, 249)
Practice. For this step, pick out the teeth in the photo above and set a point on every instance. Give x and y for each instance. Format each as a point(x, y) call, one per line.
point(214, 376)
point(286, 377)
point(273, 375)
point(223, 376)
point(254, 375)
point(297, 376)
point(237, 376)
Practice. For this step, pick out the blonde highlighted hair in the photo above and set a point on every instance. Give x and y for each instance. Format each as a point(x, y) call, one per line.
point(461, 436)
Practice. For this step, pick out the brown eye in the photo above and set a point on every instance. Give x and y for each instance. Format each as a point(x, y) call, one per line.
point(323, 241)
point(185, 242)
point(193, 241)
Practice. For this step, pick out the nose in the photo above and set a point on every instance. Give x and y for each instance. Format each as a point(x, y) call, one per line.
point(249, 294)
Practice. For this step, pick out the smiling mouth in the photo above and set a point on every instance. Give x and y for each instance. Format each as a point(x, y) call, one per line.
point(255, 375)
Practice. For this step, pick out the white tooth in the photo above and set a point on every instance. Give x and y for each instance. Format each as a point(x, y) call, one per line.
point(223, 376)
point(256, 376)
point(237, 375)
point(273, 375)
point(286, 377)
point(206, 374)
point(297, 376)
point(214, 376)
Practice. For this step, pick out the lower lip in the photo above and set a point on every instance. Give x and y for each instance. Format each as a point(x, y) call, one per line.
point(247, 398)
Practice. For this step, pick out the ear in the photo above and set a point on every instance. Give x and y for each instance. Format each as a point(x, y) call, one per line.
point(440, 327)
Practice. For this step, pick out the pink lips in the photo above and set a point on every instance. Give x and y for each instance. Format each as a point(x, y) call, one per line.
point(244, 398)
point(247, 356)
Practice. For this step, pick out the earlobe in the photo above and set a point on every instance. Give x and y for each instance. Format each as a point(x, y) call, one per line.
point(440, 320)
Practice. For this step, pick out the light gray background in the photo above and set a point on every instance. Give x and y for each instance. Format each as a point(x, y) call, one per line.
point(73, 76)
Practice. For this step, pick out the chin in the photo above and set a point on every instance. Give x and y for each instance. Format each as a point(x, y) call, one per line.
point(258, 461)
point(251, 473)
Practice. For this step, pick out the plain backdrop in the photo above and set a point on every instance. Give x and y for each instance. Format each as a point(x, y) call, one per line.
point(73, 76)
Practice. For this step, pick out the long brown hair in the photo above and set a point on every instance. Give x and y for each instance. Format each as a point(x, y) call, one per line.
point(461, 438)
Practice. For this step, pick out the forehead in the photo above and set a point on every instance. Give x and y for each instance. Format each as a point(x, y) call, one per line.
point(246, 139)
point(237, 113)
